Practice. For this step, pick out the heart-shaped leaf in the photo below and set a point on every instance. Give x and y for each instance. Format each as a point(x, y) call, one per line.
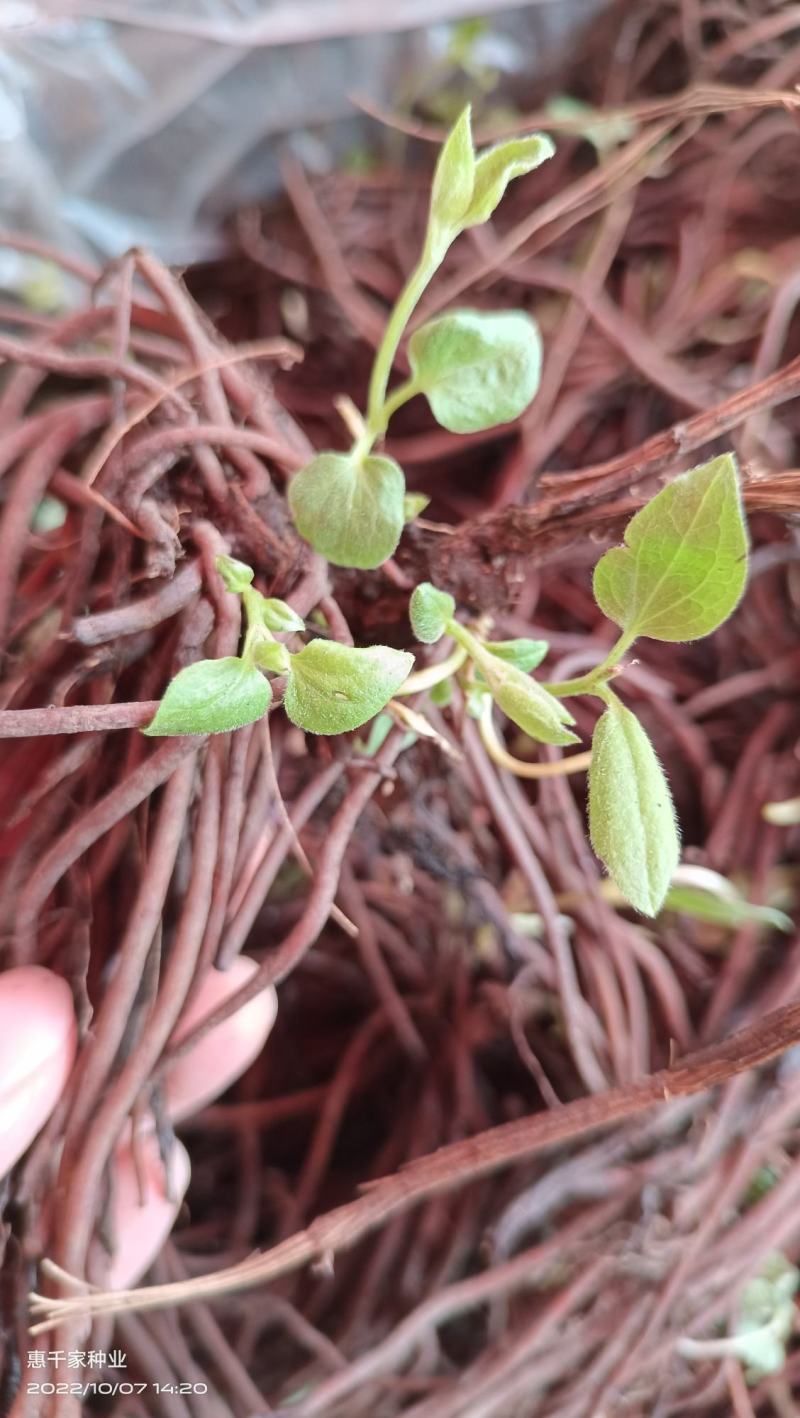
point(683, 568)
point(477, 369)
point(350, 510)
point(429, 610)
point(332, 688)
point(497, 167)
point(631, 816)
point(212, 697)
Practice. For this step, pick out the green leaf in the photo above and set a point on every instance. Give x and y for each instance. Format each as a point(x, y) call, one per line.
point(350, 511)
point(211, 697)
point(441, 694)
point(453, 181)
point(476, 700)
point(271, 655)
point(527, 655)
point(379, 731)
point(278, 617)
point(497, 167)
point(684, 566)
point(477, 369)
point(726, 910)
point(414, 504)
point(631, 816)
point(429, 611)
point(237, 575)
point(525, 702)
point(606, 131)
point(333, 688)
point(766, 1317)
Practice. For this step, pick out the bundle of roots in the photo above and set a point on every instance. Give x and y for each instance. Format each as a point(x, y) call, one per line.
point(507, 1147)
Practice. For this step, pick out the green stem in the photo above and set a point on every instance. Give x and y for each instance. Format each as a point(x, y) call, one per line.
point(470, 642)
point(578, 763)
point(396, 399)
point(593, 680)
point(432, 674)
point(393, 334)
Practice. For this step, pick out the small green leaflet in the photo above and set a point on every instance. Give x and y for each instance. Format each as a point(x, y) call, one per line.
point(477, 369)
point(379, 731)
point(237, 575)
point(525, 702)
point(332, 688)
point(351, 511)
point(604, 130)
point(441, 694)
point(726, 910)
point(271, 655)
point(766, 1317)
point(497, 167)
point(278, 617)
point(631, 816)
point(453, 181)
point(684, 566)
point(705, 895)
point(527, 655)
point(414, 504)
point(212, 697)
point(429, 611)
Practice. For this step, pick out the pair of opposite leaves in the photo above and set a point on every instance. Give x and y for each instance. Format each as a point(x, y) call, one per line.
point(477, 370)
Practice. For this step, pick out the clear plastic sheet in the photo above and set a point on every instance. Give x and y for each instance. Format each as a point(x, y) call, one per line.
point(146, 123)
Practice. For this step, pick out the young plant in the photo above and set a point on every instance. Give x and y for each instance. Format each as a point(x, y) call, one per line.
point(330, 688)
point(476, 368)
point(679, 574)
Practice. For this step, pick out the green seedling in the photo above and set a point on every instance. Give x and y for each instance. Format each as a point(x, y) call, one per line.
point(330, 688)
point(679, 574)
point(762, 1325)
point(477, 369)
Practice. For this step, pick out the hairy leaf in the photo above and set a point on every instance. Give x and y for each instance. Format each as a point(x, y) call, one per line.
point(350, 511)
point(414, 504)
point(477, 369)
point(631, 816)
point(332, 688)
point(237, 575)
point(497, 167)
point(683, 568)
point(527, 655)
point(271, 655)
point(726, 910)
point(766, 1316)
point(211, 697)
point(429, 611)
point(453, 181)
point(278, 617)
point(526, 702)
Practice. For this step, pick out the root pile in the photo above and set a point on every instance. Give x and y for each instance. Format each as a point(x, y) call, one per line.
point(489, 980)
